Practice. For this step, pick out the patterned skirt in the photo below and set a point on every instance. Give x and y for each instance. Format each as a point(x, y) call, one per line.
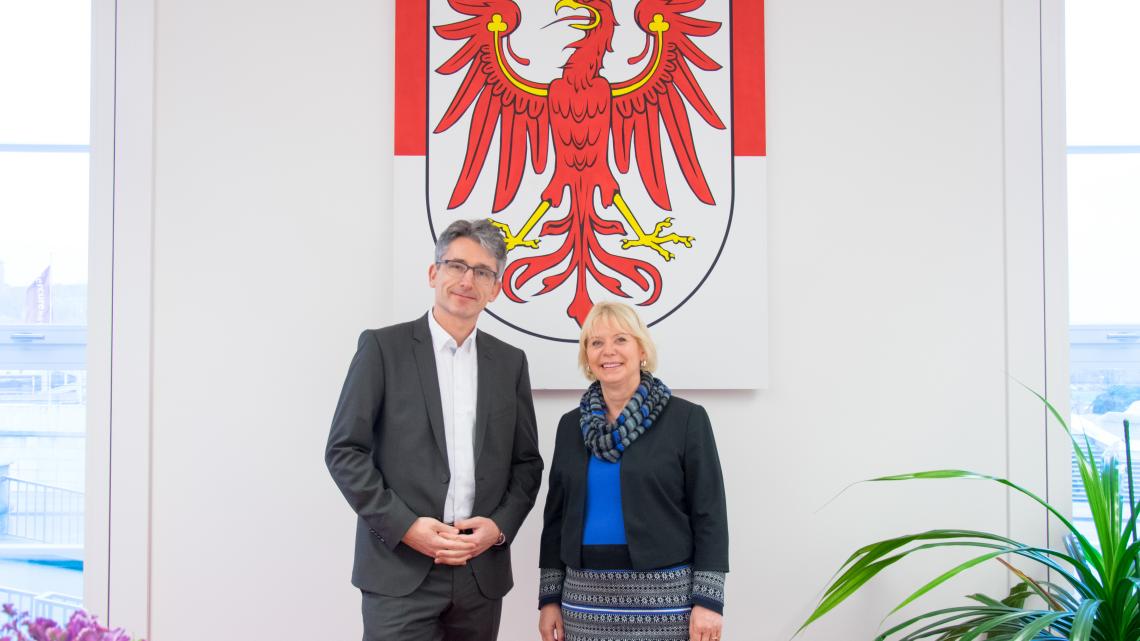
point(627, 605)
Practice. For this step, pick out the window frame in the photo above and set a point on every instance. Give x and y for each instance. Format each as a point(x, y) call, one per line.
point(1036, 264)
point(117, 576)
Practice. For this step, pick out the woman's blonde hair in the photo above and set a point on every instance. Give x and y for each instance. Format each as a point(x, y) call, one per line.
point(625, 317)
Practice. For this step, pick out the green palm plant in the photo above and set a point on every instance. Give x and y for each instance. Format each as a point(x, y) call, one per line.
point(1096, 596)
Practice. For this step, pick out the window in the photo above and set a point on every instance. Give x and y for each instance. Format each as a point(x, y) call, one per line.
point(45, 63)
point(1102, 56)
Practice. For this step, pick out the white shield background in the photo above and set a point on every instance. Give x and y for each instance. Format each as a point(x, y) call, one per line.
point(694, 284)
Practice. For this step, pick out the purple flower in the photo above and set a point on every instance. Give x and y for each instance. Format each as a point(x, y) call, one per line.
point(36, 630)
point(81, 626)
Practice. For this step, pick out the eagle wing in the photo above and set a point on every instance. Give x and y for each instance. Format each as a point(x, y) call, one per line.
point(659, 94)
point(501, 98)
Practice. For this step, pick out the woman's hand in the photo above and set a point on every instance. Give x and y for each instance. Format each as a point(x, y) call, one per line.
point(704, 624)
point(550, 622)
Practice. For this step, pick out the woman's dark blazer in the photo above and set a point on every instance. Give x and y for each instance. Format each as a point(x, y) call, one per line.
point(672, 494)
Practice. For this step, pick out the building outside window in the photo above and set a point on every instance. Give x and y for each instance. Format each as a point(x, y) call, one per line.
point(45, 70)
point(1103, 130)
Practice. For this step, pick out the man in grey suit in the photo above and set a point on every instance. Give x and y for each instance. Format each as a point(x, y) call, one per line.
point(434, 446)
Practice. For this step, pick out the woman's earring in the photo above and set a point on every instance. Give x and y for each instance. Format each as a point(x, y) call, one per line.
point(644, 363)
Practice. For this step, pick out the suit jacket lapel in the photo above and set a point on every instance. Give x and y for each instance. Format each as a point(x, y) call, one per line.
point(483, 393)
point(429, 381)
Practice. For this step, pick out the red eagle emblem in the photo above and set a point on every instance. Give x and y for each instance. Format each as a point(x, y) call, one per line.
point(579, 115)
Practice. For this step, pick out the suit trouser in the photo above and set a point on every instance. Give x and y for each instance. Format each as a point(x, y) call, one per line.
point(447, 606)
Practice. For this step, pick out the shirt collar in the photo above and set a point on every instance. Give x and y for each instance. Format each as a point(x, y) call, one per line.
point(440, 339)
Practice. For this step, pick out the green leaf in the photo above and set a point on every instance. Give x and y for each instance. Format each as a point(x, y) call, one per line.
point(1004, 603)
point(991, 624)
point(1032, 629)
point(962, 612)
point(846, 586)
point(1033, 585)
point(866, 567)
point(1090, 552)
point(1070, 601)
point(1083, 621)
point(945, 576)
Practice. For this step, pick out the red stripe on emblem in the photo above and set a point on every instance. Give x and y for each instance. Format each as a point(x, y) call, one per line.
point(411, 78)
point(749, 135)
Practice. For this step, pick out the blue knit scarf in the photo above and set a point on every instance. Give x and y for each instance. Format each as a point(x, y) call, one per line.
point(607, 441)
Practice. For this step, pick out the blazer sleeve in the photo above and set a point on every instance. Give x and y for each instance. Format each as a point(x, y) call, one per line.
point(526, 462)
point(348, 453)
point(704, 485)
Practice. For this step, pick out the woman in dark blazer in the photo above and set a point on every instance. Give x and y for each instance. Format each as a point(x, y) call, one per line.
point(635, 534)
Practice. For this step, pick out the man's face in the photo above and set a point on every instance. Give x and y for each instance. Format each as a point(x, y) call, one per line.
point(463, 297)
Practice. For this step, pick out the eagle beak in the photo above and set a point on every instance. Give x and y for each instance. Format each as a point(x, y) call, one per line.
point(572, 4)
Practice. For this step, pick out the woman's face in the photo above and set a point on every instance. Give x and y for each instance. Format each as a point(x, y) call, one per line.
point(614, 355)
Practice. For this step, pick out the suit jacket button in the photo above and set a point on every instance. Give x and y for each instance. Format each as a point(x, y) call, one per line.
point(444, 479)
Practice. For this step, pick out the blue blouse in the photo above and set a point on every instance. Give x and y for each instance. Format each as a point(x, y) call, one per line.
point(604, 523)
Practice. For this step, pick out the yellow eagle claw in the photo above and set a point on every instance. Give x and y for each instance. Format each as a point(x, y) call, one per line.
point(514, 242)
point(511, 239)
point(654, 240)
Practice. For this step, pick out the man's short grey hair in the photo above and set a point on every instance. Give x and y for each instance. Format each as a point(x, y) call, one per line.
point(479, 230)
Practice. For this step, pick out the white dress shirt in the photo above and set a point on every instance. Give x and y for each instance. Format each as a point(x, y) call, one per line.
point(458, 371)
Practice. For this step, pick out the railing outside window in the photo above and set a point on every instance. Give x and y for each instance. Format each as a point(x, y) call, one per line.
point(40, 513)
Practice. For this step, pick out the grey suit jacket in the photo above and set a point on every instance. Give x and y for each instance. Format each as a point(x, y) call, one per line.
point(387, 454)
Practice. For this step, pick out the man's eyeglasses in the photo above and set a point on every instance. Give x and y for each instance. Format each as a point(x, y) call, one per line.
point(457, 268)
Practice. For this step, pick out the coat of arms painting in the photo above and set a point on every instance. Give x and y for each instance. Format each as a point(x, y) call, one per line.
point(619, 145)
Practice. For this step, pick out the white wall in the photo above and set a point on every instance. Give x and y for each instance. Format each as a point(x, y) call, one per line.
point(895, 246)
